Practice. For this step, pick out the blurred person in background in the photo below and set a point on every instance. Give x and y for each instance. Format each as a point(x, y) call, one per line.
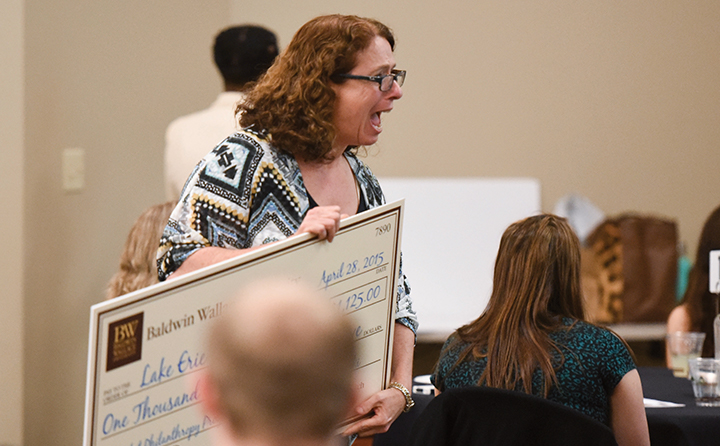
point(138, 263)
point(242, 54)
point(698, 308)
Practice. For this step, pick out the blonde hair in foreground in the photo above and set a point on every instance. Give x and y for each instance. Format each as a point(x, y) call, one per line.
point(138, 261)
point(536, 283)
point(281, 363)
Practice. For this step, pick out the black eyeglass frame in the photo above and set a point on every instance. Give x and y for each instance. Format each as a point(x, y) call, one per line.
point(396, 75)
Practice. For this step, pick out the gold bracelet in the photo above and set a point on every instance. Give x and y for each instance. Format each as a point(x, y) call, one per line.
point(409, 403)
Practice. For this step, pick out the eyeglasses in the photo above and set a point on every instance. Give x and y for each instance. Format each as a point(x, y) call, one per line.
point(385, 81)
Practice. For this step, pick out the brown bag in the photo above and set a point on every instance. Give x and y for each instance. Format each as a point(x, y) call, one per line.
point(601, 274)
point(630, 270)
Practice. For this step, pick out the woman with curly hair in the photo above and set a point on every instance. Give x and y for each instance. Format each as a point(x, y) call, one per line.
point(699, 306)
point(532, 337)
point(292, 169)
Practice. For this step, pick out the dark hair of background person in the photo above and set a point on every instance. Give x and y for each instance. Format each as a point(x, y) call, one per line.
point(138, 261)
point(294, 100)
point(700, 303)
point(243, 54)
point(536, 282)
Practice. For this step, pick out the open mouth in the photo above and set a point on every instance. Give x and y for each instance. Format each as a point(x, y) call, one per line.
point(376, 122)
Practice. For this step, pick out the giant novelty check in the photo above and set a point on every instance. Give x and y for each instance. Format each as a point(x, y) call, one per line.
point(146, 347)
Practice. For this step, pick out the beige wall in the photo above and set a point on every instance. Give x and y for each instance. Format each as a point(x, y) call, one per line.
point(106, 77)
point(11, 223)
point(616, 100)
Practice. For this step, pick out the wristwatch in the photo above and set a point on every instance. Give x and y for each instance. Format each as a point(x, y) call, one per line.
point(409, 403)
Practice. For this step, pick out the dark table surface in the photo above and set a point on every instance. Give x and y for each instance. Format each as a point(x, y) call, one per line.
point(690, 425)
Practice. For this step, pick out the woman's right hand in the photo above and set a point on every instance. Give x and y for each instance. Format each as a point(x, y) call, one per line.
point(322, 221)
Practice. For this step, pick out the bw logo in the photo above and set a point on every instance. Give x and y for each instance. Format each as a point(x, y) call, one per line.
point(124, 341)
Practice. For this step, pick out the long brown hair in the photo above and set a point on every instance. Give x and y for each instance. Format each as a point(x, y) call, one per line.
point(293, 102)
point(698, 300)
point(536, 283)
point(138, 267)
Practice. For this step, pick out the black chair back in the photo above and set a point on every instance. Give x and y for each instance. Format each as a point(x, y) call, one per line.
point(487, 416)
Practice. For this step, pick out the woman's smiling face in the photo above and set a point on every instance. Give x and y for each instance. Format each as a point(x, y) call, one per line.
point(359, 104)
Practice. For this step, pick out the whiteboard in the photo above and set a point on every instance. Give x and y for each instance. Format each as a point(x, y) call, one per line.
point(451, 233)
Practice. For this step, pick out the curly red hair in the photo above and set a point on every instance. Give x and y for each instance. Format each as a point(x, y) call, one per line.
point(293, 102)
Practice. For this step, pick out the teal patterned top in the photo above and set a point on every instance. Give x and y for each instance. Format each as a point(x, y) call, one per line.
point(595, 360)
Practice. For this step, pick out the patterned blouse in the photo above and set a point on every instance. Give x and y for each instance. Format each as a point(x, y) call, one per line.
point(595, 360)
point(246, 193)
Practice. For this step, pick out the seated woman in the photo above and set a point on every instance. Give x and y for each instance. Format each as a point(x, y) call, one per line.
point(698, 307)
point(532, 337)
point(138, 266)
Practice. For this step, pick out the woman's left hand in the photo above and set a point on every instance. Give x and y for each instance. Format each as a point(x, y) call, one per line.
point(384, 406)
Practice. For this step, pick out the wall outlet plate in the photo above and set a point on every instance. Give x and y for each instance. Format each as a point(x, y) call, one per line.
point(73, 169)
point(715, 271)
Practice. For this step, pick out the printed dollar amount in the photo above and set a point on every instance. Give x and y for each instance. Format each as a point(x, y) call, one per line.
point(362, 297)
